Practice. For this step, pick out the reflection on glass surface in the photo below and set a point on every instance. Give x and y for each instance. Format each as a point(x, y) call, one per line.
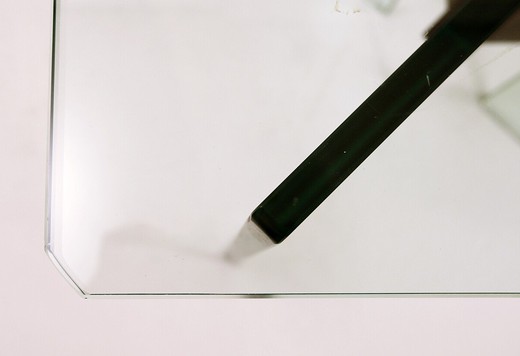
point(503, 104)
point(174, 119)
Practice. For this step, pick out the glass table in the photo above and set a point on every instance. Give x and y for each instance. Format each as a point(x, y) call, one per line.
point(172, 120)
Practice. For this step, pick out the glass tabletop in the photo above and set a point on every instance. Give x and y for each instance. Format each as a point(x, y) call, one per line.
point(172, 120)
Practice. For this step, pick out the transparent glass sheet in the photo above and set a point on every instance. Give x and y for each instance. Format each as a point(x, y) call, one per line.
point(173, 119)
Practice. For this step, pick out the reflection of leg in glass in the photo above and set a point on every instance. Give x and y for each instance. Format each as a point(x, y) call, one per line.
point(250, 240)
point(503, 105)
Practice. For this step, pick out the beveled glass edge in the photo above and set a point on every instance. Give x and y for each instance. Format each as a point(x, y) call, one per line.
point(305, 295)
point(48, 245)
point(64, 272)
point(50, 129)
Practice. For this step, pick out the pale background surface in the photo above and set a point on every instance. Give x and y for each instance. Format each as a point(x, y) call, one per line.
point(41, 314)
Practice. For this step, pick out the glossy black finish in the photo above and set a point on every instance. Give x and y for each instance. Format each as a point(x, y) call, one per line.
point(358, 136)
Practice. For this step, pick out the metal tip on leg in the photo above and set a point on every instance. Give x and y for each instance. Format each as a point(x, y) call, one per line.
point(250, 241)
